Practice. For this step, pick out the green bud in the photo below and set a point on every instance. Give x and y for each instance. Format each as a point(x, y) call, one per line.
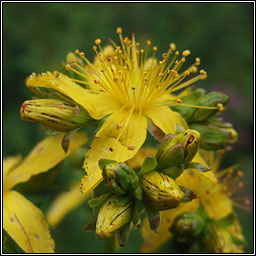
point(112, 217)
point(161, 192)
point(211, 99)
point(55, 114)
point(191, 98)
point(214, 137)
point(120, 178)
point(179, 149)
point(187, 226)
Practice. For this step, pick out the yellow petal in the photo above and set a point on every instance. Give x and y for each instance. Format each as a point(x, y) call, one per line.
point(164, 118)
point(132, 128)
point(64, 203)
point(98, 104)
point(42, 158)
point(25, 223)
point(9, 163)
point(139, 158)
point(153, 241)
point(217, 205)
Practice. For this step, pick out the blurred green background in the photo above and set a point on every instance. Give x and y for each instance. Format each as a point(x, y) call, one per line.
point(37, 37)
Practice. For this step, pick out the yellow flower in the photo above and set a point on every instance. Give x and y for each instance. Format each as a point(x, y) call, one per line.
point(124, 89)
point(22, 220)
point(214, 196)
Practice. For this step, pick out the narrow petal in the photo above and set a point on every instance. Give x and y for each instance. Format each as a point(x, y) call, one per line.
point(9, 163)
point(25, 223)
point(98, 104)
point(132, 128)
point(42, 158)
point(165, 118)
point(153, 241)
point(64, 203)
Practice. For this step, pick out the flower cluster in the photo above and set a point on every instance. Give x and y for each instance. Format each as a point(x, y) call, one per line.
point(126, 91)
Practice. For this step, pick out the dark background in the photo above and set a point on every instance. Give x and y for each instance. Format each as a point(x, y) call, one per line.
point(37, 37)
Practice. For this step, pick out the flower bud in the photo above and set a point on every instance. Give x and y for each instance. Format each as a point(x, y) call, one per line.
point(187, 226)
point(161, 191)
point(54, 114)
point(120, 178)
point(112, 217)
point(214, 137)
point(218, 239)
point(211, 99)
point(179, 149)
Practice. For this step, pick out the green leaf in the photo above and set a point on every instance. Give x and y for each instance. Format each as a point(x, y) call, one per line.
point(227, 220)
point(238, 241)
point(188, 195)
point(98, 201)
point(123, 235)
point(179, 129)
point(148, 165)
point(67, 138)
point(91, 225)
point(198, 166)
point(153, 218)
point(103, 162)
point(121, 200)
point(174, 171)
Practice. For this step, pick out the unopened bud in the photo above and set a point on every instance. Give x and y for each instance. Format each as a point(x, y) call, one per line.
point(120, 178)
point(54, 114)
point(112, 217)
point(161, 191)
point(211, 99)
point(187, 226)
point(214, 137)
point(179, 149)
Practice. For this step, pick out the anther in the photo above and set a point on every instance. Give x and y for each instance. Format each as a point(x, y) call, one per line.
point(186, 53)
point(240, 184)
point(76, 51)
point(177, 52)
point(161, 74)
point(137, 44)
point(172, 46)
point(187, 73)
point(81, 54)
point(240, 174)
point(183, 59)
point(148, 43)
point(130, 147)
point(94, 48)
point(155, 48)
point(133, 88)
point(141, 51)
point(67, 67)
point(97, 41)
point(73, 61)
point(197, 61)
point(96, 136)
point(116, 78)
point(178, 100)
point(119, 30)
point(220, 107)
